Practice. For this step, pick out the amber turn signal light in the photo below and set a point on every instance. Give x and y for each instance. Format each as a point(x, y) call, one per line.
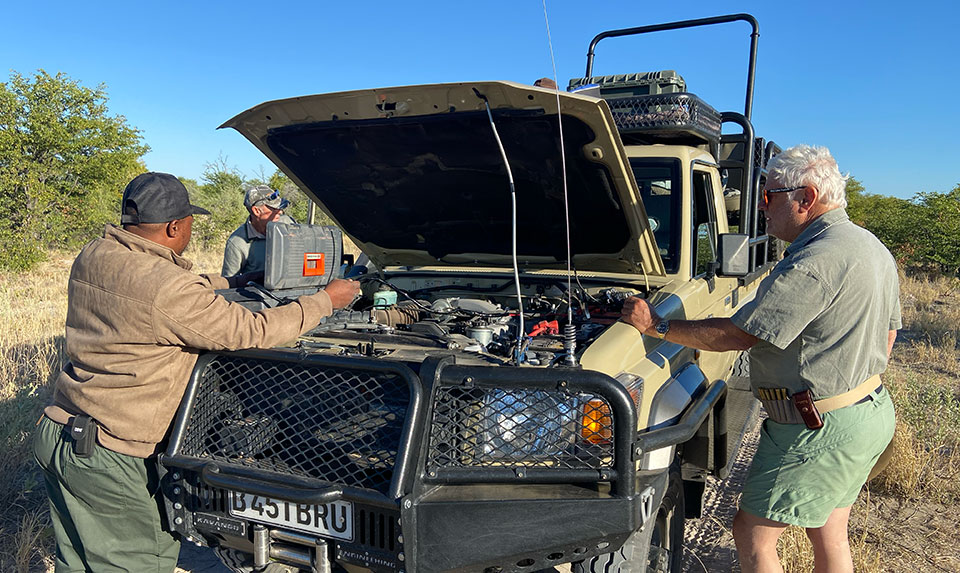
point(597, 427)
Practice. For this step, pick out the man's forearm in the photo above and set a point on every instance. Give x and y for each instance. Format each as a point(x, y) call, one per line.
point(716, 334)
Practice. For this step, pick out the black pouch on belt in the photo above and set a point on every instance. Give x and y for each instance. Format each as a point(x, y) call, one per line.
point(83, 430)
point(803, 401)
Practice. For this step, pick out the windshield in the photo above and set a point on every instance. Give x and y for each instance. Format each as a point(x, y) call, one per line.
point(659, 183)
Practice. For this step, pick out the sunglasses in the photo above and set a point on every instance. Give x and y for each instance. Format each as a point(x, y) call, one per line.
point(271, 197)
point(764, 194)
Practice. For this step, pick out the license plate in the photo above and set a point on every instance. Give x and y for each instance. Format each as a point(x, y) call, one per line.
point(334, 519)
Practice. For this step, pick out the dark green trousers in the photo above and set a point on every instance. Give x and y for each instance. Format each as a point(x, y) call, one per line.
point(106, 509)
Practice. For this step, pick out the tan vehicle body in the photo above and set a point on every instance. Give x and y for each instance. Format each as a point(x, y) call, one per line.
point(490, 413)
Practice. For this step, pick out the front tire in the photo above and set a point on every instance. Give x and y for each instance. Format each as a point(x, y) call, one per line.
point(665, 549)
point(656, 548)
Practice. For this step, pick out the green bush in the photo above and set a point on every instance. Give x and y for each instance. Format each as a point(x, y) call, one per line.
point(299, 202)
point(922, 232)
point(63, 163)
point(221, 193)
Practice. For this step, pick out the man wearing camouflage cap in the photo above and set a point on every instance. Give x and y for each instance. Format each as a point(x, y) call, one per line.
point(245, 251)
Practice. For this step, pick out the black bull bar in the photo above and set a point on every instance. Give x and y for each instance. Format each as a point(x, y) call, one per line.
point(440, 445)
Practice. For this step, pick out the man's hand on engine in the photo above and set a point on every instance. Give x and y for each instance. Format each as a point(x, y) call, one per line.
point(342, 292)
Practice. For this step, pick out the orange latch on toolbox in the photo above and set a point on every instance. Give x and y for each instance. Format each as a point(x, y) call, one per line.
point(313, 264)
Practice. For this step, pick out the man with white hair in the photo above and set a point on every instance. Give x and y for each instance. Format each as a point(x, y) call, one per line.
point(819, 331)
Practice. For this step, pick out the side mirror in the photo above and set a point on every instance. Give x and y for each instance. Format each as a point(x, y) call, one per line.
point(734, 255)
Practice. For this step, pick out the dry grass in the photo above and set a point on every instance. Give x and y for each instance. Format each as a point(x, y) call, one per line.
point(27, 542)
point(924, 381)
point(33, 309)
point(32, 312)
point(931, 316)
point(205, 261)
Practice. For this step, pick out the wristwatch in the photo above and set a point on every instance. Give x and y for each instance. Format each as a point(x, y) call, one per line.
point(663, 327)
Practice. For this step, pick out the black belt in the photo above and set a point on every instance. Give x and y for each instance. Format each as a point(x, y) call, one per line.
point(869, 397)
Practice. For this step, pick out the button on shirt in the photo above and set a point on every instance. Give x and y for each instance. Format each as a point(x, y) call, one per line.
point(824, 313)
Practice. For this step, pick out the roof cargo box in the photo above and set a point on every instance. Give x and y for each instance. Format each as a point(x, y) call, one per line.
point(619, 85)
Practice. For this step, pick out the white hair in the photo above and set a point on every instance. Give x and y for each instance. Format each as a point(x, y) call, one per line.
point(814, 166)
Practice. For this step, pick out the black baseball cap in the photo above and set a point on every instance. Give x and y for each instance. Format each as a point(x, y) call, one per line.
point(156, 198)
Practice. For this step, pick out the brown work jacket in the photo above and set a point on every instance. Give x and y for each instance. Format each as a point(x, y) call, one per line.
point(137, 319)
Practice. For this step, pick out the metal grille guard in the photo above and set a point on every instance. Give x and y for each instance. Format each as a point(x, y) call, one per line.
point(608, 460)
point(611, 460)
point(300, 427)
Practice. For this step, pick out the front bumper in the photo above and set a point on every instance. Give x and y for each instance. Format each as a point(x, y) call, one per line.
point(410, 447)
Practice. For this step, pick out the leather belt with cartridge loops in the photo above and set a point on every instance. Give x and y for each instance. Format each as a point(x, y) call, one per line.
point(783, 408)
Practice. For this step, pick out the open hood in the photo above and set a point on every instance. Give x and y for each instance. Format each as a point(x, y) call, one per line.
point(415, 176)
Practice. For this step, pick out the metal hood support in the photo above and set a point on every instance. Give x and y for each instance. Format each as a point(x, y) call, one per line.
point(414, 176)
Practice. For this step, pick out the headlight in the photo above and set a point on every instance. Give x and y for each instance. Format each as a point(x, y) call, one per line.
point(633, 384)
point(527, 424)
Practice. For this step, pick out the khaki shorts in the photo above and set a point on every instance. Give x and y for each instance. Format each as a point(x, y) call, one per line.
point(799, 476)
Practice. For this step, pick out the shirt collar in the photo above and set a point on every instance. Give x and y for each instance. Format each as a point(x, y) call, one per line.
point(143, 245)
point(817, 226)
point(252, 233)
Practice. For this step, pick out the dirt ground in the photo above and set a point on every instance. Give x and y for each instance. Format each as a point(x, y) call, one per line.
point(901, 534)
point(707, 542)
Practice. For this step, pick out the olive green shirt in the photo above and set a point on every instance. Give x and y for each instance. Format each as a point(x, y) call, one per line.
point(824, 313)
point(246, 250)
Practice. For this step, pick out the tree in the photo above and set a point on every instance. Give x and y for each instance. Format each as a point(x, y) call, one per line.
point(938, 229)
point(64, 162)
point(221, 193)
point(921, 232)
point(298, 199)
point(891, 219)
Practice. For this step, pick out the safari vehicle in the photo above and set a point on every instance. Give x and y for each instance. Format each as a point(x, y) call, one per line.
point(481, 408)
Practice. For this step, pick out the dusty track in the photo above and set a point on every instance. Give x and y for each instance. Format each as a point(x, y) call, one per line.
point(707, 542)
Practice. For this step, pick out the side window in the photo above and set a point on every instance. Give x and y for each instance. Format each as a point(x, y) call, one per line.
point(704, 223)
point(659, 184)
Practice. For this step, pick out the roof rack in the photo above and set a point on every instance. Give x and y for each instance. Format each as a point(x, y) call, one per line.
point(666, 116)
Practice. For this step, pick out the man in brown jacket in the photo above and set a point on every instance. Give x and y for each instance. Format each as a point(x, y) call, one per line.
point(137, 318)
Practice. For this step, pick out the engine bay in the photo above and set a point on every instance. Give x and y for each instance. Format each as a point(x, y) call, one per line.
point(476, 316)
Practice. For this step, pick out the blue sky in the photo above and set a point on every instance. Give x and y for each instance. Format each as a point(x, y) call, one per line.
point(877, 82)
